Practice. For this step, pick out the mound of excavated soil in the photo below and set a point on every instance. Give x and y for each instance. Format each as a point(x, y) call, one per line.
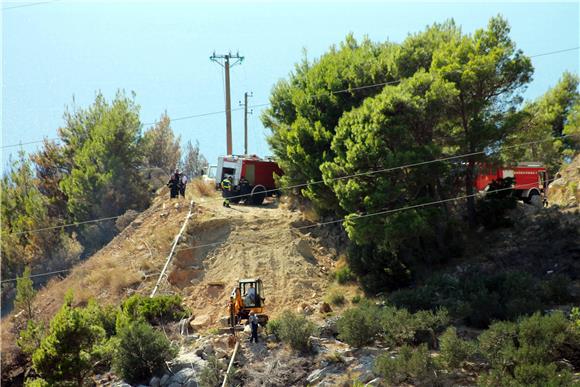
point(249, 242)
point(565, 190)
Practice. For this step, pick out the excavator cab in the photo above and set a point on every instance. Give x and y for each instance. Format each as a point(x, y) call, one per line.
point(247, 296)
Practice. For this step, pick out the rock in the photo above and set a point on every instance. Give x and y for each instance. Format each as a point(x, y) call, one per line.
point(190, 383)
point(329, 328)
point(224, 321)
point(200, 322)
point(120, 384)
point(316, 375)
point(183, 376)
point(174, 384)
point(366, 377)
point(304, 249)
point(155, 382)
point(164, 380)
point(325, 308)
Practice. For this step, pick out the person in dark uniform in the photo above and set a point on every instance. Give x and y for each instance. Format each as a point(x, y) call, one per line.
point(244, 188)
point(174, 185)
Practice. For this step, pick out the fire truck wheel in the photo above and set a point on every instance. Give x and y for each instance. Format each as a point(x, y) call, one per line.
point(258, 195)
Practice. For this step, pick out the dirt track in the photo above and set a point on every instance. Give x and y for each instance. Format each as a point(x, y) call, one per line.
point(251, 242)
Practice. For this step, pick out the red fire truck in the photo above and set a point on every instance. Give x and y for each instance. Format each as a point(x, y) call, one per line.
point(258, 172)
point(530, 180)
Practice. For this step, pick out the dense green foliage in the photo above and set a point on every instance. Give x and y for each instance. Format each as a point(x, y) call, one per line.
point(293, 329)
point(156, 310)
point(67, 353)
point(411, 364)
point(83, 340)
point(25, 294)
point(478, 298)
point(546, 119)
point(141, 352)
point(366, 108)
point(363, 324)
point(492, 208)
point(161, 148)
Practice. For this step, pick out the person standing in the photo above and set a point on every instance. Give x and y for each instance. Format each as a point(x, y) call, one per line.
point(226, 190)
point(253, 320)
point(174, 185)
point(183, 185)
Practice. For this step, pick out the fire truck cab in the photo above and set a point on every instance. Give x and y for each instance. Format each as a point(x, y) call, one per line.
point(258, 172)
point(530, 180)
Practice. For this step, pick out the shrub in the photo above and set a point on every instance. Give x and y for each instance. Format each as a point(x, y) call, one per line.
point(525, 353)
point(29, 339)
point(210, 375)
point(555, 289)
point(356, 299)
point(36, 383)
point(344, 275)
point(25, 294)
point(156, 310)
point(141, 352)
point(398, 326)
point(336, 298)
point(532, 375)
point(359, 326)
point(453, 350)
point(295, 330)
point(66, 353)
point(497, 344)
point(411, 365)
point(273, 328)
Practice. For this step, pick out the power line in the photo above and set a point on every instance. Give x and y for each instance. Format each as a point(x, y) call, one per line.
point(320, 224)
point(29, 5)
point(367, 173)
point(188, 117)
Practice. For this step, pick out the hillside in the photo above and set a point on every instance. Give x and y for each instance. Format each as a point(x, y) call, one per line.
point(243, 242)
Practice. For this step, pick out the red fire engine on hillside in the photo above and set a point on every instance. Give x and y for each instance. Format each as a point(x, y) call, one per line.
point(530, 180)
point(258, 173)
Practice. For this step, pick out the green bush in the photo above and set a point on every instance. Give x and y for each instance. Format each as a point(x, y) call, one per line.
point(29, 339)
point(555, 290)
point(525, 353)
point(453, 350)
point(141, 352)
point(66, 353)
point(156, 310)
point(295, 330)
point(359, 326)
point(528, 375)
point(336, 298)
point(478, 298)
point(412, 365)
point(344, 275)
point(36, 383)
point(356, 299)
point(398, 326)
point(273, 328)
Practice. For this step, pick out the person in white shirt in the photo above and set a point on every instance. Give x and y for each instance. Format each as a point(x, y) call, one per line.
point(183, 184)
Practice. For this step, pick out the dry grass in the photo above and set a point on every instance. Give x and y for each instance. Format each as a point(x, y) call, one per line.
point(203, 188)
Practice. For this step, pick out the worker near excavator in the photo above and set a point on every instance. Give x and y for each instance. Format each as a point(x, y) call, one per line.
point(253, 320)
point(226, 190)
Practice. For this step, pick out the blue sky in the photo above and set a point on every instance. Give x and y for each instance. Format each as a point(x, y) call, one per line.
point(161, 50)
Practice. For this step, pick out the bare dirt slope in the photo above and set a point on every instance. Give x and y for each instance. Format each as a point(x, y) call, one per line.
point(220, 246)
point(249, 242)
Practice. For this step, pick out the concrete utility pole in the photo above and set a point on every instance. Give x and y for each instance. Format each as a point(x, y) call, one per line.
point(246, 95)
point(226, 65)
